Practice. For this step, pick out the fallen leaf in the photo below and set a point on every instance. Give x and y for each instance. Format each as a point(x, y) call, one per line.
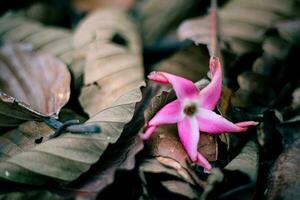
point(181, 188)
point(242, 23)
point(65, 158)
point(26, 75)
point(109, 43)
point(285, 175)
point(189, 62)
point(246, 161)
point(38, 194)
point(53, 40)
point(23, 138)
point(91, 5)
point(151, 13)
point(120, 157)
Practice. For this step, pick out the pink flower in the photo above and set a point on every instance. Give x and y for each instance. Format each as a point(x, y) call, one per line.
point(192, 111)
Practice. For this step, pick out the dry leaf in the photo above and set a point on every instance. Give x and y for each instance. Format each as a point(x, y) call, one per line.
point(109, 43)
point(284, 178)
point(242, 23)
point(190, 62)
point(120, 157)
point(65, 158)
point(92, 5)
point(24, 76)
point(246, 161)
point(56, 41)
point(158, 17)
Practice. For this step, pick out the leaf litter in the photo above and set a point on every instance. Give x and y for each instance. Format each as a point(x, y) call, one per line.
point(89, 66)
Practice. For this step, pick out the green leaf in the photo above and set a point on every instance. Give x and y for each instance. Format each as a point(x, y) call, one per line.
point(65, 158)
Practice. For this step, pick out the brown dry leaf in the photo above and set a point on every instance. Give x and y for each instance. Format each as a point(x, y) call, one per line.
point(119, 157)
point(166, 143)
point(24, 76)
point(156, 171)
point(284, 178)
point(246, 161)
point(91, 5)
point(108, 42)
point(56, 41)
point(190, 62)
point(242, 23)
point(23, 138)
point(65, 158)
point(158, 17)
point(181, 188)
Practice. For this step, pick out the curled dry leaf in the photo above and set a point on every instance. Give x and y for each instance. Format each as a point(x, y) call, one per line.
point(284, 178)
point(242, 23)
point(65, 158)
point(108, 42)
point(24, 76)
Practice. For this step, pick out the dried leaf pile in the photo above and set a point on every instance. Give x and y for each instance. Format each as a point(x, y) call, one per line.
point(74, 98)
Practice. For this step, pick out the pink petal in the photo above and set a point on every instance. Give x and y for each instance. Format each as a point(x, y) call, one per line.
point(210, 95)
point(201, 160)
point(189, 135)
point(183, 87)
point(211, 122)
point(169, 114)
point(150, 130)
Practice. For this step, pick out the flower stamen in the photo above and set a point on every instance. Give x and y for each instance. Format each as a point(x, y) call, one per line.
point(190, 109)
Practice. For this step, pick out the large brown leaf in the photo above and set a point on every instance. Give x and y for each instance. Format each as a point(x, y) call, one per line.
point(108, 42)
point(53, 40)
point(32, 85)
point(65, 158)
point(242, 23)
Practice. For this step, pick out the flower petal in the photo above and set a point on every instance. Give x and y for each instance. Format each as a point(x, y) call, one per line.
point(189, 135)
point(169, 114)
point(150, 130)
point(211, 122)
point(201, 160)
point(183, 87)
point(210, 95)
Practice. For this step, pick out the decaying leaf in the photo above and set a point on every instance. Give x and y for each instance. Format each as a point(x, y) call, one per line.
point(246, 161)
point(242, 23)
point(108, 42)
point(23, 138)
point(153, 11)
point(284, 179)
point(56, 41)
point(37, 194)
point(189, 62)
point(119, 157)
point(91, 5)
point(65, 158)
point(181, 188)
point(24, 76)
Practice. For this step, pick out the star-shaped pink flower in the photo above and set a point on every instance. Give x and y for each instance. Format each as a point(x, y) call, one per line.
point(192, 111)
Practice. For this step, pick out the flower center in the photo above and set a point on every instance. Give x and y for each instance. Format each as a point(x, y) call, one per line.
point(190, 109)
